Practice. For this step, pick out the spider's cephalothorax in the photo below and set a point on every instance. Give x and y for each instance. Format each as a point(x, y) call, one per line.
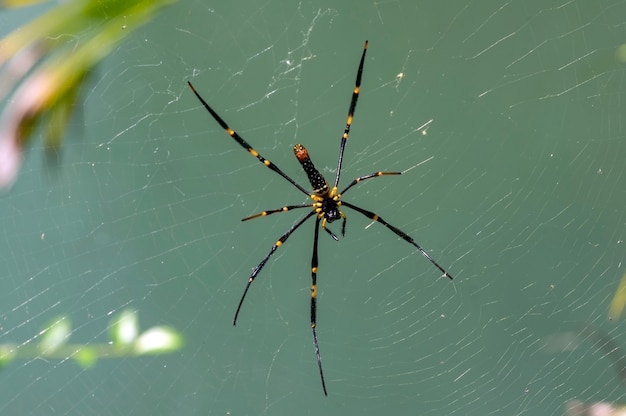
point(326, 200)
point(325, 205)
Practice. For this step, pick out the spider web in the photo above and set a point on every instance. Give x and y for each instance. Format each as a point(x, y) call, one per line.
point(516, 187)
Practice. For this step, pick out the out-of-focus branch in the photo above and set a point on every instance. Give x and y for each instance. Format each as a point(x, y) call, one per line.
point(126, 341)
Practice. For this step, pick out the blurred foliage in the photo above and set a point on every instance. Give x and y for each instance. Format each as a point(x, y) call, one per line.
point(578, 408)
point(126, 341)
point(44, 63)
point(610, 349)
point(619, 299)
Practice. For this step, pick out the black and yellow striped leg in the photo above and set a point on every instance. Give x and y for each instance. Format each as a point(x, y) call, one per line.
point(258, 268)
point(364, 177)
point(372, 216)
point(314, 263)
point(274, 211)
point(331, 234)
point(346, 132)
point(232, 133)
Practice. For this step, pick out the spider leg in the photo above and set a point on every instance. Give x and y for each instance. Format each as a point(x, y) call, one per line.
point(258, 268)
point(330, 233)
point(314, 263)
point(399, 233)
point(364, 177)
point(232, 133)
point(346, 132)
point(358, 180)
point(274, 211)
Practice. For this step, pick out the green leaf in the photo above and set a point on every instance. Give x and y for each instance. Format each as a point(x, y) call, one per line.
point(44, 64)
point(158, 339)
point(7, 354)
point(125, 328)
point(55, 335)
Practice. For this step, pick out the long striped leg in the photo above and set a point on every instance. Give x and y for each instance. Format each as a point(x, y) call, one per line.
point(274, 211)
point(346, 132)
point(372, 216)
point(314, 263)
point(258, 268)
point(232, 133)
point(364, 177)
point(354, 182)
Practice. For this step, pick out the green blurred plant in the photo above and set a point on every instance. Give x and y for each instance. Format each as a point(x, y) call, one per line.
point(619, 300)
point(43, 65)
point(126, 341)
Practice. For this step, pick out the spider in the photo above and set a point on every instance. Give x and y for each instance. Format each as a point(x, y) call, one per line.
point(326, 205)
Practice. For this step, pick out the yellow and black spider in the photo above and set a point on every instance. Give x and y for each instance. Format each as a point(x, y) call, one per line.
point(325, 206)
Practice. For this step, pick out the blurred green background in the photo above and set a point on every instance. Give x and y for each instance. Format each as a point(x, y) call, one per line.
point(523, 202)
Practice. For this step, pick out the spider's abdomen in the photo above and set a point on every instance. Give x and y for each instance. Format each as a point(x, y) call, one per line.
point(318, 183)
